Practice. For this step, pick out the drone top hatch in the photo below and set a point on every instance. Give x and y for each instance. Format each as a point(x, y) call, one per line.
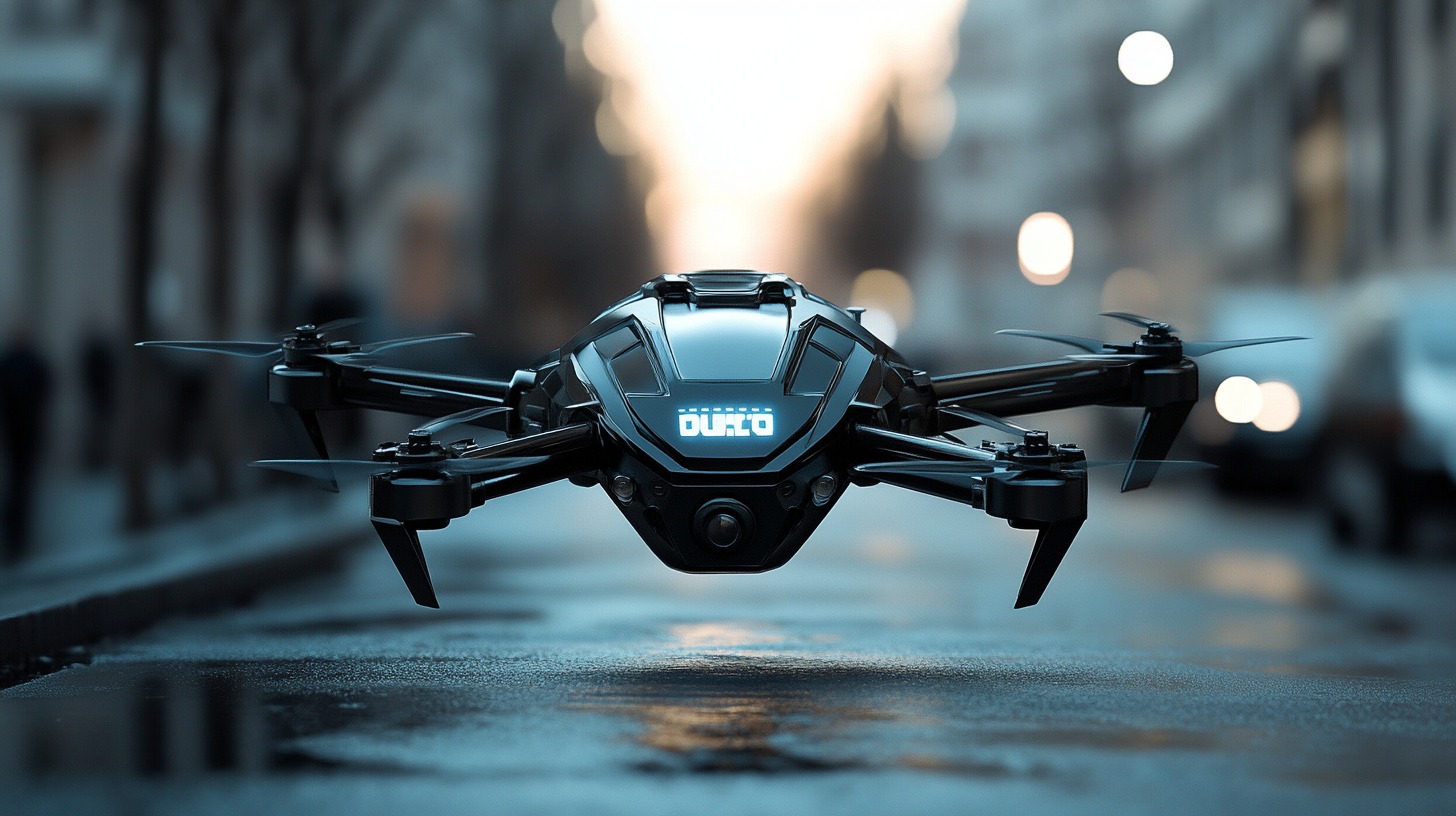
point(724, 413)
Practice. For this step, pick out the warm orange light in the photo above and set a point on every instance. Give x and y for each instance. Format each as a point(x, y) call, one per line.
point(885, 290)
point(740, 111)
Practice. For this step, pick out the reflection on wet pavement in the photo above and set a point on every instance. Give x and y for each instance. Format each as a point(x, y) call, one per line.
point(162, 723)
point(1183, 679)
point(1267, 576)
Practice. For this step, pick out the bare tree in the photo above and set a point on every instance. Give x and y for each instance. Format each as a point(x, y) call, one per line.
point(142, 193)
point(225, 38)
point(341, 55)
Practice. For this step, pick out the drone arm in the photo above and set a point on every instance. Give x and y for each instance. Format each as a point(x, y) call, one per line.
point(1030, 389)
point(1054, 503)
point(347, 383)
point(562, 452)
point(875, 445)
point(415, 392)
point(400, 508)
point(1166, 388)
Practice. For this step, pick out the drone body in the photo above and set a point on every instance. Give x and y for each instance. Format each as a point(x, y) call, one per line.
point(725, 413)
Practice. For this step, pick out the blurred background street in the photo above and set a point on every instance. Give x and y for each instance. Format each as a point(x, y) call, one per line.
point(1279, 633)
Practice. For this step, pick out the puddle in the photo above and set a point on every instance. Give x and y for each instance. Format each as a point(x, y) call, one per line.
point(147, 725)
point(715, 713)
point(189, 720)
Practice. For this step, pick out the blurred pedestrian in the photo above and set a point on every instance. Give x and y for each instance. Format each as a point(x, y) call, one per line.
point(98, 371)
point(25, 390)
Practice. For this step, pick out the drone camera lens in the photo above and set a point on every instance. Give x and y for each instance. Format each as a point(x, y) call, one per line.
point(724, 523)
point(723, 530)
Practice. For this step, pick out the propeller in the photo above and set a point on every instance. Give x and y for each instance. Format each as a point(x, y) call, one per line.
point(992, 421)
point(254, 348)
point(401, 342)
point(306, 337)
point(429, 429)
point(419, 452)
point(1084, 343)
point(330, 468)
point(976, 467)
point(1159, 340)
point(1140, 321)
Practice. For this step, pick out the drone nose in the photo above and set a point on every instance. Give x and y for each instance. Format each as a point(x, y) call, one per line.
point(723, 530)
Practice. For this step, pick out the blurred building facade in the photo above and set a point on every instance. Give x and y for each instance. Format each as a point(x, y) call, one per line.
point(461, 185)
point(1298, 143)
point(1030, 135)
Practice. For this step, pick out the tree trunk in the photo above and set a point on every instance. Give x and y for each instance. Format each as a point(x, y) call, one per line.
point(143, 187)
point(220, 208)
point(286, 195)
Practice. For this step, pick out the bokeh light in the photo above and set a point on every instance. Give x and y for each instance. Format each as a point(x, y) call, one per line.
point(881, 324)
point(1145, 58)
point(1132, 290)
point(1044, 248)
point(887, 291)
point(1280, 407)
point(1238, 400)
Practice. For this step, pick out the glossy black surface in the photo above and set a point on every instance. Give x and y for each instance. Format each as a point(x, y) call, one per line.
point(724, 413)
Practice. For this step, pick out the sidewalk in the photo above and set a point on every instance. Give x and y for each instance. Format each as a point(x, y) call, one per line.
point(87, 581)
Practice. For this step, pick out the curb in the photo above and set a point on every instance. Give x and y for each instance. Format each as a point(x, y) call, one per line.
point(52, 636)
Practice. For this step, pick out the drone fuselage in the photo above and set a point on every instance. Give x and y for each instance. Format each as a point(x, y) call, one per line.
point(724, 413)
point(726, 398)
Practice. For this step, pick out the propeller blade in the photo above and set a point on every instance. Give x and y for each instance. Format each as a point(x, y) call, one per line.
point(1052, 543)
point(1200, 348)
point(234, 348)
point(989, 420)
point(1139, 321)
point(459, 418)
point(417, 390)
point(355, 468)
point(341, 323)
point(403, 545)
point(980, 468)
point(954, 486)
point(325, 468)
point(968, 467)
point(1110, 356)
point(1084, 343)
point(487, 464)
point(385, 345)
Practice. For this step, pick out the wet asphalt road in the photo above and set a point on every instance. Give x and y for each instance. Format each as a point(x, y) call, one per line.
point(1191, 656)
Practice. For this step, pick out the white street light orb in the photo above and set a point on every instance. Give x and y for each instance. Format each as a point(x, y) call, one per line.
point(1281, 407)
point(1044, 248)
point(1238, 400)
point(1145, 58)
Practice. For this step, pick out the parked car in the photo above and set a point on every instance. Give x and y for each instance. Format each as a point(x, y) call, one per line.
point(1263, 456)
point(1388, 439)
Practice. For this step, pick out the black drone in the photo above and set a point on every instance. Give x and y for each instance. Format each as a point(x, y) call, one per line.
point(725, 412)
